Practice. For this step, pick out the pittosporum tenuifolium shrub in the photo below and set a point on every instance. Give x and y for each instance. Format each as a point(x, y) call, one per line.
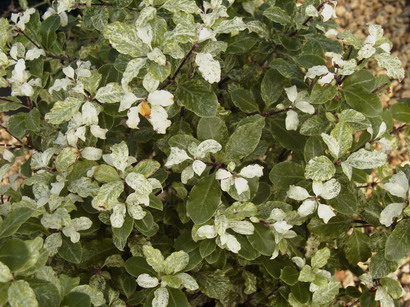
point(197, 153)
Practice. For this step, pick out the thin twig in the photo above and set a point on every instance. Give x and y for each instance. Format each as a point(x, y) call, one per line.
point(172, 78)
point(18, 139)
point(58, 57)
point(309, 19)
point(379, 88)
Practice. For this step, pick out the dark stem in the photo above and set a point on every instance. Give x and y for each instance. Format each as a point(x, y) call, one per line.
point(18, 139)
point(379, 88)
point(398, 129)
point(270, 113)
point(309, 19)
point(172, 78)
point(58, 57)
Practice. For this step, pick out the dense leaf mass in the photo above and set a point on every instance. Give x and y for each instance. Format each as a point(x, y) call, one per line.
point(188, 152)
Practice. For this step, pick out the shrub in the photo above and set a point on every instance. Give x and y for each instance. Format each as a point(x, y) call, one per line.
point(187, 152)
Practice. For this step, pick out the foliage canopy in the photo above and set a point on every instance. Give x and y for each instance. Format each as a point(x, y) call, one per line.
point(186, 152)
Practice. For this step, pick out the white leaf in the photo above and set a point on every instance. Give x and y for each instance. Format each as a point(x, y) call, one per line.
point(161, 98)
point(5, 274)
point(118, 215)
point(252, 171)
point(89, 113)
point(292, 120)
point(242, 227)
point(328, 190)
point(315, 71)
point(207, 231)
point(325, 213)
point(222, 174)
point(8, 155)
point(311, 11)
point(230, 242)
point(347, 169)
point(332, 144)
point(241, 185)
point(98, 132)
point(364, 159)
point(127, 101)
point(81, 223)
point(187, 174)
point(145, 34)
point(119, 155)
point(366, 52)
point(231, 25)
point(328, 12)
point(135, 211)
point(209, 67)
point(326, 79)
point(300, 262)
point(198, 166)
point(297, 193)
point(157, 56)
point(187, 281)
point(277, 214)
point(146, 281)
point(70, 232)
point(398, 185)
point(207, 146)
point(305, 107)
point(376, 32)
point(282, 226)
point(159, 119)
point(292, 93)
point(110, 93)
point(176, 156)
point(91, 153)
point(133, 117)
point(161, 297)
point(390, 212)
point(392, 65)
point(139, 183)
point(307, 207)
point(69, 72)
point(34, 53)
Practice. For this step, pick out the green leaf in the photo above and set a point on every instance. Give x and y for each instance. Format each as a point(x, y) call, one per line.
point(198, 97)
point(343, 134)
point(5, 273)
point(48, 33)
point(63, 111)
point(322, 94)
point(301, 292)
point(357, 247)
point(398, 243)
point(105, 173)
point(393, 287)
point(20, 294)
point(247, 251)
point(76, 299)
point(177, 298)
point(13, 220)
point(286, 69)
point(313, 147)
point(14, 253)
point(262, 240)
point(272, 86)
point(120, 235)
point(71, 252)
point(66, 158)
point(124, 38)
point(137, 266)
point(401, 112)
point(315, 125)
point(7, 104)
point(363, 78)
point(17, 125)
point(320, 169)
point(212, 128)
point(214, 284)
point(244, 100)
point(278, 15)
point(289, 275)
point(46, 293)
point(320, 258)
point(380, 267)
point(244, 139)
point(147, 225)
point(285, 174)
point(207, 247)
point(326, 294)
point(355, 119)
point(361, 100)
point(287, 139)
point(107, 195)
point(203, 200)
